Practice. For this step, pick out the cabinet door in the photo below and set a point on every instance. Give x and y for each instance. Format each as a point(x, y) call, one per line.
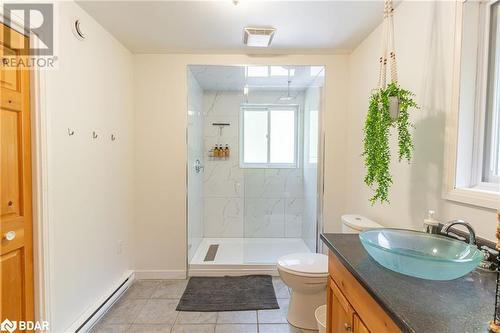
point(340, 312)
point(359, 326)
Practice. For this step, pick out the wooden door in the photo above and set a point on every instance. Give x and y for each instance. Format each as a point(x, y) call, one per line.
point(359, 326)
point(340, 312)
point(16, 251)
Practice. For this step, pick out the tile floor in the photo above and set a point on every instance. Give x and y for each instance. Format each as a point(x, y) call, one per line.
point(149, 306)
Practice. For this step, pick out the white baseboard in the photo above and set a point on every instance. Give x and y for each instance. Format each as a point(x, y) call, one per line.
point(99, 308)
point(160, 274)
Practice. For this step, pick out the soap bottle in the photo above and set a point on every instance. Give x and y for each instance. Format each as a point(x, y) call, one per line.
point(226, 151)
point(431, 225)
point(216, 151)
point(220, 151)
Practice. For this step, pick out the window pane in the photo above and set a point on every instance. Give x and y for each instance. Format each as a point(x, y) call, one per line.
point(492, 165)
point(282, 136)
point(255, 137)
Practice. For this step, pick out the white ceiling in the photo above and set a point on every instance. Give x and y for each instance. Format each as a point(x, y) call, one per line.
point(217, 26)
point(234, 78)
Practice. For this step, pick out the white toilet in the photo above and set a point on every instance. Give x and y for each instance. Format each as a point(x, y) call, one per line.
point(354, 224)
point(306, 274)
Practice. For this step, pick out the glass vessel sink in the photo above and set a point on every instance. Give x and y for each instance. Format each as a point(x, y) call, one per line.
point(420, 254)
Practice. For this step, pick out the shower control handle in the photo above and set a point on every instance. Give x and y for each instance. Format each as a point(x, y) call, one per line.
point(198, 167)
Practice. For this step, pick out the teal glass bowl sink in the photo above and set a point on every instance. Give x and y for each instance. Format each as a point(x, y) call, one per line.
point(419, 254)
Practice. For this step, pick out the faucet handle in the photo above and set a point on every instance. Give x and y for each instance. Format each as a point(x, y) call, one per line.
point(489, 251)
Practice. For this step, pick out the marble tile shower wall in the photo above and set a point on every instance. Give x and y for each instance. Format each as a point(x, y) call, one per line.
point(246, 202)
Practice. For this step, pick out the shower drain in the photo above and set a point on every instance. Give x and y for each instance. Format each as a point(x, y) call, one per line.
point(212, 252)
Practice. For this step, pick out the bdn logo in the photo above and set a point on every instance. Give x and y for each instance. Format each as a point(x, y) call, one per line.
point(37, 18)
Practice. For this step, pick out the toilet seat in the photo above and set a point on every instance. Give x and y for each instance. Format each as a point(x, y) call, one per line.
point(305, 264)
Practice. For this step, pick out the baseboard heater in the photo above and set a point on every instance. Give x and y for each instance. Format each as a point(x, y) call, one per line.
point(104, 307)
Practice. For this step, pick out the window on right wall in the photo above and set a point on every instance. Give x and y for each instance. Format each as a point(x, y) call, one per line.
point(491, 158)
point(473, 134)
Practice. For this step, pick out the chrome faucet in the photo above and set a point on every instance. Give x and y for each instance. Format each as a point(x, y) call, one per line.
point(472, 233)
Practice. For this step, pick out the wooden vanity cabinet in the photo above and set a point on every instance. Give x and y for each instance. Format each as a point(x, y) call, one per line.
point(350, 308)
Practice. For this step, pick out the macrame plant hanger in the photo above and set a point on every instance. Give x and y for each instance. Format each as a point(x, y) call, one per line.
point(388, 46)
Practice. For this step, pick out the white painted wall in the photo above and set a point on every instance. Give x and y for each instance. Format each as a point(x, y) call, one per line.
point(90, 182)
point(424, 44)
point(160, 176)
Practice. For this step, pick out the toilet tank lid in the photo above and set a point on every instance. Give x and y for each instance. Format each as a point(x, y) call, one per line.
point(311, 263)
point(359, 222)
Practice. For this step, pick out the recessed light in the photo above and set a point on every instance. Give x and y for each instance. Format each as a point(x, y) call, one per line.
point(258, 37)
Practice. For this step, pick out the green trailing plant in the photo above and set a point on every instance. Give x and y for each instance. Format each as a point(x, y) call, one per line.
point(377, 152)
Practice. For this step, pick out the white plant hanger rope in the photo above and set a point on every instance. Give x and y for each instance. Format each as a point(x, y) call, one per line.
point(388, 56)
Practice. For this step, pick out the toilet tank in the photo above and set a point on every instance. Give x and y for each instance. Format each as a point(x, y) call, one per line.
point(354, 224)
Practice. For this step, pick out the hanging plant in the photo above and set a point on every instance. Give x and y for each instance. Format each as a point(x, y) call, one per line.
point(378, 124)
point(388, 107)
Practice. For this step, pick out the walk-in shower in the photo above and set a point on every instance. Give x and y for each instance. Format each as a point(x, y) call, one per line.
point(253, 152)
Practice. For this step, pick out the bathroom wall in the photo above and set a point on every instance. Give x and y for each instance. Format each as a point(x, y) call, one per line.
point(312, 108)
point(241, 202)
point(90, 182)
point(424, 44)
point(195, 137)
point(160, 90)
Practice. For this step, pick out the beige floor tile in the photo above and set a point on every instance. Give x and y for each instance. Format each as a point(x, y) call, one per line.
point(170, 289)
point(124, 311)
point(281, 328)
point(187, 317)
point(210, 328)
point(144, 328)
point(158, 311)
point(141, 289)
point(277, 316)
point(111, 328)
point(237, 317)
point(236, 328)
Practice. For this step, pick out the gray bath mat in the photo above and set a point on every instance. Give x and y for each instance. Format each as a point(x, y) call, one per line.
point(229, 293)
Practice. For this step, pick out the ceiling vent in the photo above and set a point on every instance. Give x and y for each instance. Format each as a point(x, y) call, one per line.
point(258, 37)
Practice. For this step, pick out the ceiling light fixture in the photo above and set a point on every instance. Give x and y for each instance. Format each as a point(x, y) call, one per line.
point(258, 37)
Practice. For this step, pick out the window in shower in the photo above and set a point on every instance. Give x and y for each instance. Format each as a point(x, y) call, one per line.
point(269, 136)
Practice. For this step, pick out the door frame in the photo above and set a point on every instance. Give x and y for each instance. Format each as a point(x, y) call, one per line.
point(40, 220)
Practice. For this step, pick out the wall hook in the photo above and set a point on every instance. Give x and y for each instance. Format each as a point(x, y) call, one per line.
point(94, 135)
point(113, 137)
point(71, 132)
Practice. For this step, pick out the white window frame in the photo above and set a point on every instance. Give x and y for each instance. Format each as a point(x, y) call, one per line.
point(269, 108)
point(473, 190)
point(493, 142)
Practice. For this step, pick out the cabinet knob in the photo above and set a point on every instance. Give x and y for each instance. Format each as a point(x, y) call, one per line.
point(347, 327)
point(10, 235)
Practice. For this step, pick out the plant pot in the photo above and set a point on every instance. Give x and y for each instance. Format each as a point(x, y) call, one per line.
point(394, 107)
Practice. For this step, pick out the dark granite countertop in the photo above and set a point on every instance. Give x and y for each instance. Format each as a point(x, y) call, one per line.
point(464, 305)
